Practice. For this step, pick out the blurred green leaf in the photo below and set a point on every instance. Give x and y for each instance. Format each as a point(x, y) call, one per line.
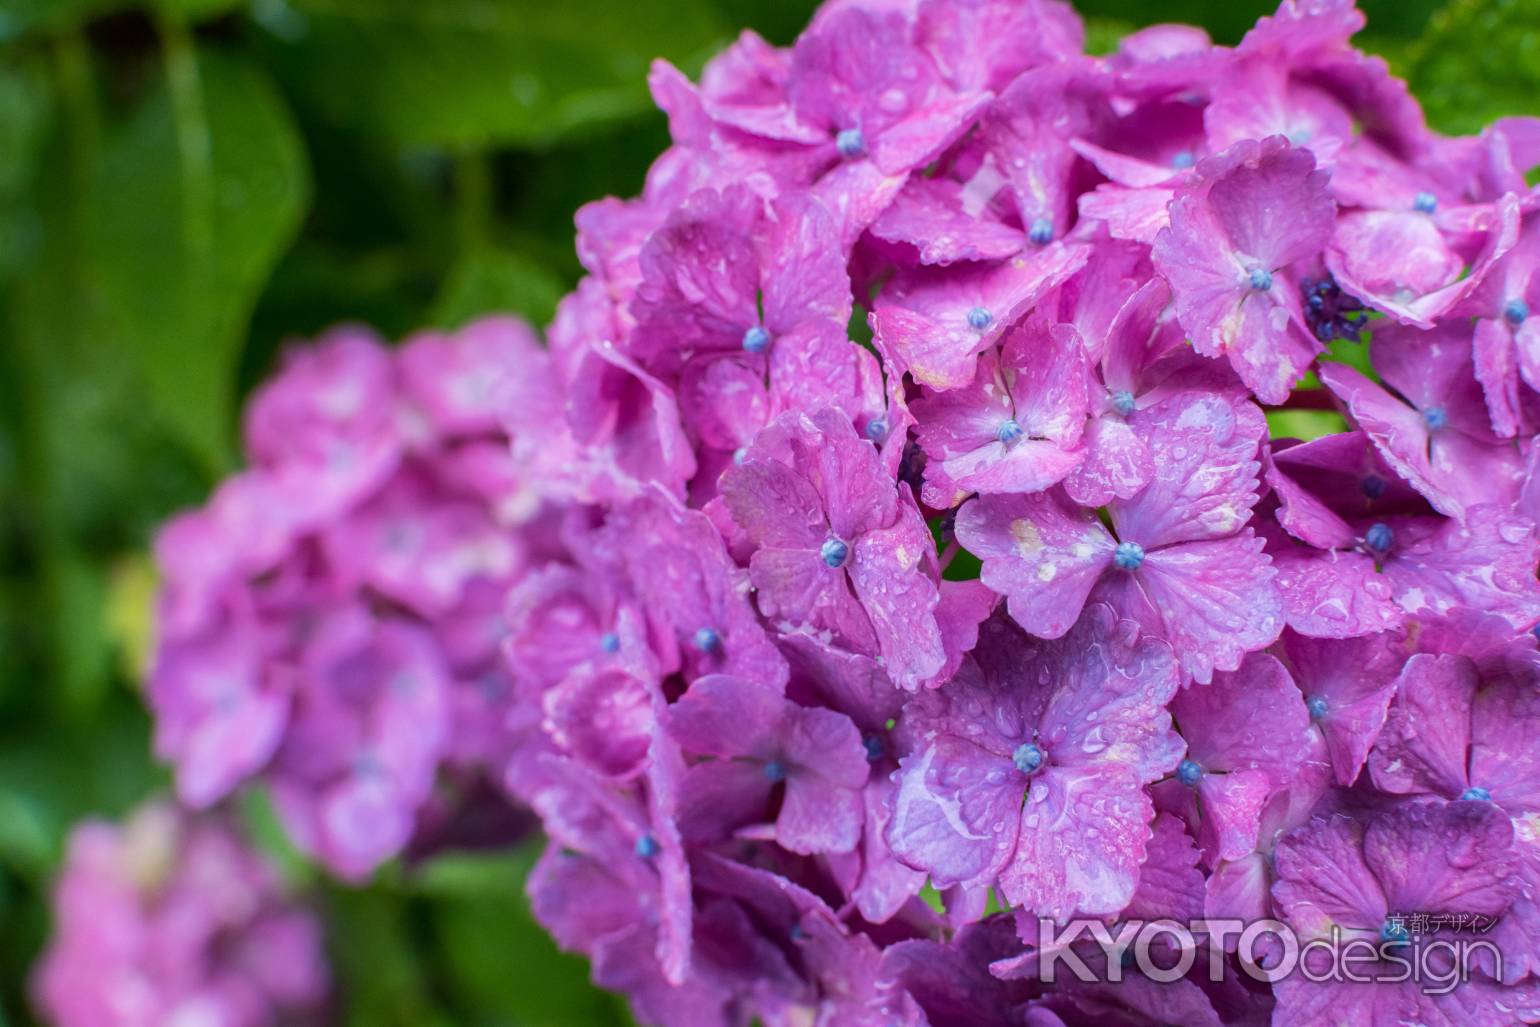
point(51, 778)
point(380, 977)
point(486, 280)
point(193, 200)
point(471, 72)
point(1477, 61)
point(479, 915)
point(24, 115)
point(78, 632)
point(1102, 34)
point(1304, 424)
point(18, 17)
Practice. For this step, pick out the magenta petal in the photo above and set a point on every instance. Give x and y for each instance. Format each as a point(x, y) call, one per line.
point(1424, 746)
point(1487, 563)
point(1448, 856)
point(929, 215)
point(1324, 880)
point(1348, 684)
point(1229, 806)
point(1217, 601)
point(923, 318)
point(900, 602)
point(1334, 594)
point(956, 811)
point(1249, 212)
point(1041, 553)
point(724, 717)
point(1204, 451)
point(1117, 464)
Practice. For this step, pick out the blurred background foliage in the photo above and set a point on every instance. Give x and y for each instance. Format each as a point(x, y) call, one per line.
point(185, 184)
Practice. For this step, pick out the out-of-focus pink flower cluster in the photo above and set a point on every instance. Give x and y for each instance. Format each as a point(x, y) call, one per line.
point(170, 920)
point(933, 290)
point(330, 622)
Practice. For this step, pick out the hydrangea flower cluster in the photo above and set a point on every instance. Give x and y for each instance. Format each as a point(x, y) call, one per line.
point(330, 622)
point(170, 919)
point(888, 555)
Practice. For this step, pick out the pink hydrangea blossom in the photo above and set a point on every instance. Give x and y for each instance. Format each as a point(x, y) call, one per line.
point(171, 918)
point(895, 545)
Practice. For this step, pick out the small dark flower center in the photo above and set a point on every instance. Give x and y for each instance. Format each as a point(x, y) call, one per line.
point(834, 552)
point(1028, 757)
point(707, 640)
point(1128, 556)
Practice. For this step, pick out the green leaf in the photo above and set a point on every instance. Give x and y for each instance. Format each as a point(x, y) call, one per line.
point(20, 17)
point(195, 197)
point(50, 778)
point(381, 979)
point(1304, 424)
point(495, 959)
point(1477, 61)
point(24, 114)
point(466, 73)
point(1103, 34)
point(488, 281)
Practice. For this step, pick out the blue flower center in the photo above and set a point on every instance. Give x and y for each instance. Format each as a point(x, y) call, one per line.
point(1317, 706)
point(834, 552)
point(980, 319)
point(647, 846)
point(876, 429)
point(1188, 772)
point(1425, 203)
point(756, 339)
point(1477, 793)
point(775, 770)
point(1041, 231)
point(1028, 757)
point(609, 642)
point(707, 640)
point(1515, 312)
point(1123, 402)
point(1394, 931)
point(1009, 430)
point(1374, 486)
point(1128, 556)
point(1379, 537)
point(1435, 418)
point(850, 142)
point(874, 747)
point(1183, 159)
point(1261, 279)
